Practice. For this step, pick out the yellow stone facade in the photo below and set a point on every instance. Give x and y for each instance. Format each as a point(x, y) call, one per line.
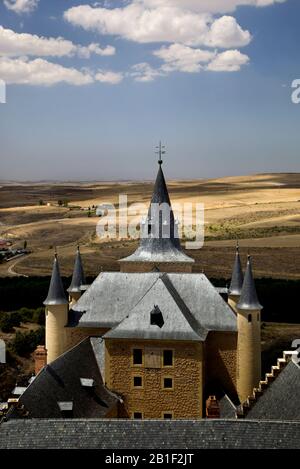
point(248, 352)
point(149, 266)
point(56, 319)
point(184, 400)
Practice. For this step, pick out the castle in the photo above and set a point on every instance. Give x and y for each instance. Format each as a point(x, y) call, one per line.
point(166, 337)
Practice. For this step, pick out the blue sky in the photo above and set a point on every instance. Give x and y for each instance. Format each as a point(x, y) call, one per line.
point(93, 104)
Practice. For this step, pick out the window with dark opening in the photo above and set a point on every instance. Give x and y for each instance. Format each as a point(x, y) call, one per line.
point(137, 381)
point(168, 383)
point(168, 415)
point(249, 318)
point(156, 317)
point(168, 358)
point(137, 356)
point(137, 415)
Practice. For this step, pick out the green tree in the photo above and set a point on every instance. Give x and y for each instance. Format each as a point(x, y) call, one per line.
point(25, 343)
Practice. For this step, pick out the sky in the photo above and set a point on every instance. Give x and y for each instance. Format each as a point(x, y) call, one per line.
point(92, 87)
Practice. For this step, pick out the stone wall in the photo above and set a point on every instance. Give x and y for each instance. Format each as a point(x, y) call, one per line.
point(221, 360)
point(149, 266)
point(74, 335)
point(183, 401)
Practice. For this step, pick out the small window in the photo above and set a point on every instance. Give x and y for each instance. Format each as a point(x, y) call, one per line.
point(137, 415)
point(137, 381)
point(168, 383)
point(167, 415)
point(249, 318)
point(168, 358)
point(258, 316)
point(137, 356)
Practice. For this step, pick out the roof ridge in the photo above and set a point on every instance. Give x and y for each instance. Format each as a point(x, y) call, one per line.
point(182, 305)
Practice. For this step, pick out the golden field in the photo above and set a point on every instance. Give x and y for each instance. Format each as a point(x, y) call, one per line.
point(263, 211)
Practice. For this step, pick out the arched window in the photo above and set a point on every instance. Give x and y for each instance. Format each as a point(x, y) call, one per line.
point(249, 318)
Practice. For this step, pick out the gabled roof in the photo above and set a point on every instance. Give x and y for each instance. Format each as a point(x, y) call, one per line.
point(78, 278)
point(114, 295)
point(178, 322)
point(128, 434)
point(155, 246)
point(281, 400)
point(248, 299)
point(61, 382)
point(237, 277)
point(56, 294)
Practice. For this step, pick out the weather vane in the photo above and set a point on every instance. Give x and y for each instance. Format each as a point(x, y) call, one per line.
point(160, 151)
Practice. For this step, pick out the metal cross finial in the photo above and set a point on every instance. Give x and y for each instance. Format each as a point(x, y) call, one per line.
point(160, 151)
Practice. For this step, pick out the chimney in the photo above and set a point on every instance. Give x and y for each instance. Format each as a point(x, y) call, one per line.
point(212, 408)
point(40, 358)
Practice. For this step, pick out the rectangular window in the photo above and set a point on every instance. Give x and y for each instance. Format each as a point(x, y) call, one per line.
point(167, 415)
point(137, 354)
point(168, 358)
point(137, 415)
point(137, 381)
point(168, 383)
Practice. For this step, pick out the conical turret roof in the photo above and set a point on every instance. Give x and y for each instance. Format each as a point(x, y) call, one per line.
point(248, 299)
point(159, 232)
point(237, 275)
point(78, 277)
point(56, 294)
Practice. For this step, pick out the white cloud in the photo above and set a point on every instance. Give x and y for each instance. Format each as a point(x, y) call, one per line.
point(21, 6)
point(183, 58)
point(94, 48)
point(14, 44)
point(208, 6)
point(143, 72)
point(228, 61)
point(105, 76)
point(225, 32)
point(162, 24)
point(40, 72)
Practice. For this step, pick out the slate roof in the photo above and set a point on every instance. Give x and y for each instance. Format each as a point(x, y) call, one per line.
point(156, 246)
point(281, 400)
point(60, 382)
point(227, 408)
point(178, 322)
point(149, 434)
point(248, 299)
point(78, 278)
point(56, 294)
point(114, 295)
point(237, 277)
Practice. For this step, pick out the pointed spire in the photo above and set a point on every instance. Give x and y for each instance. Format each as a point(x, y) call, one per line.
point(159, 241)
point(248, 299)
point(237, 274)
point(78, 277)
point(56, 294)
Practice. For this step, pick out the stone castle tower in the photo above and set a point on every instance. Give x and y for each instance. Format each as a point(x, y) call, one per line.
point(249, 337)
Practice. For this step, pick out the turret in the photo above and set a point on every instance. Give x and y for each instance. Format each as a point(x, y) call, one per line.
point(78, 280)
point(56, 314)
point(249, 341)
point(236, 283)
point(159, 246)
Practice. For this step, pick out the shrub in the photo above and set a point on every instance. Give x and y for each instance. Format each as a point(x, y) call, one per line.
point(25, 343)
point(8, 321)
